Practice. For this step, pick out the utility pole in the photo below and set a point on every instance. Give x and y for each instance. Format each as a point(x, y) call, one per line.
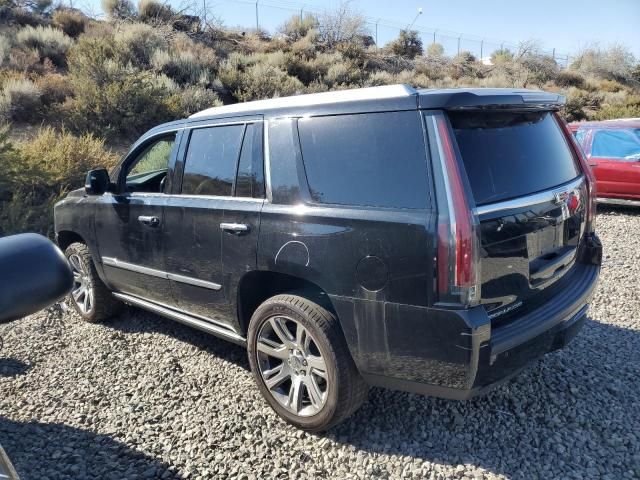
point(481, 45)
point(434, 35)
point(377, 33)
point(204, 12)
point(257, 22)
point(459, 45)
point(301, 11)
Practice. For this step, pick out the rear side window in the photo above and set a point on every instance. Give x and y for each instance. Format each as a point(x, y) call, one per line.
point(622, 144)
point(212, 158)
point(511, 154)
point(250, 179)
point(373, 159)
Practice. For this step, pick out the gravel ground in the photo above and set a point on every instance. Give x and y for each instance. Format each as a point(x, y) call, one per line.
point(143, 397)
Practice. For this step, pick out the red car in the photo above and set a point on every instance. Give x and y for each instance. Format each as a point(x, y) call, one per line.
point(612, 148)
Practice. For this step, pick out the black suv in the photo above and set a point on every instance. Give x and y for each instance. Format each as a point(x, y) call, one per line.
point(434, 241)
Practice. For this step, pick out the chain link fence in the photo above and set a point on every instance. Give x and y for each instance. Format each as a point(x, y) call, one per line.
point(381, 30)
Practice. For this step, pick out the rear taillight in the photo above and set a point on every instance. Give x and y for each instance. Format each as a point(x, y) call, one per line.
point(457, 259)
point(586, 169)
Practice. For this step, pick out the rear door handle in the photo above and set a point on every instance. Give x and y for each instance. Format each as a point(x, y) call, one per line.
point(235, 227)
point(149, 220)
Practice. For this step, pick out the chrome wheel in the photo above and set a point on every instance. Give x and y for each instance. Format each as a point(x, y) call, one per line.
point(82, 292)
point(292, 366)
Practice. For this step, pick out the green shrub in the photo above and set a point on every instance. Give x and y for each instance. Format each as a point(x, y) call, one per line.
point(248, 79)
point(408, 44)
point(118, 9)
point(137, 42)
point(21, 100)
point(71, 22)
point(502, 55)
point(127, 104)
point(435, 50)
point(183, 66)
point(194, 99)
point(297, 28)
point(49, 42)
point(39, 171)
point(568, 78)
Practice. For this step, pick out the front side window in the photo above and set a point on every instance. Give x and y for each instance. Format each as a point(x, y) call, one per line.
point(620, 144)
point(148, 171)
point(211, 161)
point(375, 159)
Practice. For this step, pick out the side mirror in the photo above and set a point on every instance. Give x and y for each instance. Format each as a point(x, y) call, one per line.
point(35, 274)
point(97, 181)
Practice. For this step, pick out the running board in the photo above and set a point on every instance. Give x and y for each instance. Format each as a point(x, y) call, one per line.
point(619, 201)
point(205, 326)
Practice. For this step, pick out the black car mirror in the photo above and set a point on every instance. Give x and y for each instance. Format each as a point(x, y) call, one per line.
point(97, 181)
point(35, 274)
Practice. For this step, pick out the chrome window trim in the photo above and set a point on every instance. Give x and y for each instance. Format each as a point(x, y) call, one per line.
point(222, 124)
point(114, 262)
point(267, 162)
point(529, 200)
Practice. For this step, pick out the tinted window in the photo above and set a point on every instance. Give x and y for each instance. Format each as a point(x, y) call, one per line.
point(508, 154)
point(147, 172)
point(622, 144)
point(249, 182)
point(212, 157)
point(374, 159)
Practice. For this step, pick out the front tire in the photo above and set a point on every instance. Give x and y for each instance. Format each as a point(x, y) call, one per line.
point(301, 363)
point(89, 296)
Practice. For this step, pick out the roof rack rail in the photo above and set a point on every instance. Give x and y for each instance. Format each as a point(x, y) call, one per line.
point(312, 99)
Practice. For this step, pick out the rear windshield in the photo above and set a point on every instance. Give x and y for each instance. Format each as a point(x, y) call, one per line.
point(511, 154)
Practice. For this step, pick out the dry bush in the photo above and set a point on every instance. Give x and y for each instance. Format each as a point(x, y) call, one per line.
point(614, 63)
point(581, 104)
point(342, 25)
point(155, 12)
point(71, 22)
point(20, 100)
point(118, 9)
point(54, 89)
point(568, 78)
point(47, 41)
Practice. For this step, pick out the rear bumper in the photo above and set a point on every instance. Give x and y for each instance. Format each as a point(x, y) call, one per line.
point(456, 353)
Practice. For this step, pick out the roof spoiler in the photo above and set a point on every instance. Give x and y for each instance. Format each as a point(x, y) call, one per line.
point(491, 98)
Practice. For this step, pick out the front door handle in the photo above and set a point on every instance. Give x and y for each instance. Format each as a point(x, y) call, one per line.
point(149, 220)
point(235, 227)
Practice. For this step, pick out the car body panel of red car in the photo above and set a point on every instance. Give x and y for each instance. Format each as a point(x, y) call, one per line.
point(612, 148)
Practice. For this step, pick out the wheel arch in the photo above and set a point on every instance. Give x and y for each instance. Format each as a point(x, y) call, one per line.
point(257, 286)
point(64, 238)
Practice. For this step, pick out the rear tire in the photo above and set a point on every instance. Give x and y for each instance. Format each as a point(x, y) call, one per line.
point(301, 363)
point(90, 296)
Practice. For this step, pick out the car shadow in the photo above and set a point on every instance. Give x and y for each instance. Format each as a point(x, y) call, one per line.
point(561, 412)
point(11, 367)
point(135, 320)
point(52, 450)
